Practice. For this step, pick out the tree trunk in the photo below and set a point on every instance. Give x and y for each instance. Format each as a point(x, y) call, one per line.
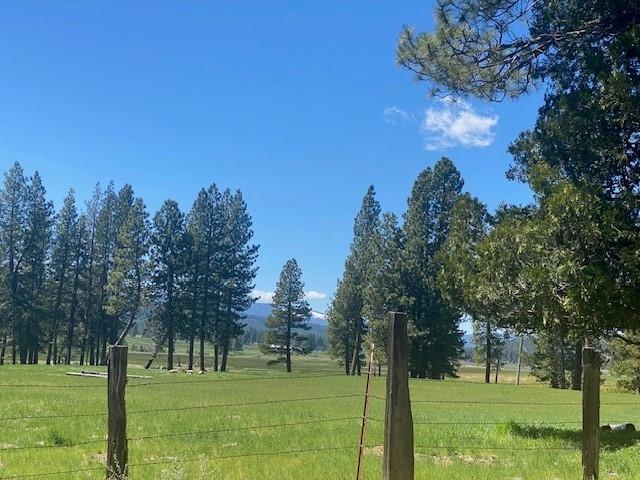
point(83, 347)
point(52, 339)
point(520, 348)
point(497, 370)
point(14, 342)
point(191, 347)
point(3, 349)
point(487, 364)
point(225, 354)
point(92, 357)
point(288, 343)
point(155, 354)
point(576, 372)
point(72, 310)
point(216, 353)
point(170, 350)
point(103, 351)
point(563, 381)
point(52, 346)
point(347, 357)
point(202, 369)
point(356, 351)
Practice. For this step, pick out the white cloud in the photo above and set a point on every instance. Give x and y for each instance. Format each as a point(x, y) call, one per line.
point(263, 296)
point(313, 295)
point(454, 122)
point(395, 116)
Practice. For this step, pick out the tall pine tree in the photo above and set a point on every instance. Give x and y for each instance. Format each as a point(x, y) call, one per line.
point(168, 265)
point(290, 313)
point(435, 340)
point(346, 320)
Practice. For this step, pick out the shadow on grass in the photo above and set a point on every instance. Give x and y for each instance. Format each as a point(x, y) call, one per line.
point(608, 440)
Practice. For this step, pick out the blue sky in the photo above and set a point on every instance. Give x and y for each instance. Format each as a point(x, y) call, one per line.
point(298, 104)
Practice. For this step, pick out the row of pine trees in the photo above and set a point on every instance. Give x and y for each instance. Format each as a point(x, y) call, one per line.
point(76, 280)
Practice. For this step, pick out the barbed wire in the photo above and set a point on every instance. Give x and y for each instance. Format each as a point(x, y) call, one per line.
point(244, 428)
point(62, 445)
point(225, 405)
point(476, 447)
point(63, 415)
point(179, 434)
point(47, 385)
point(506, 402)
point(233, 380)
point(506, 422)
point(171, 409)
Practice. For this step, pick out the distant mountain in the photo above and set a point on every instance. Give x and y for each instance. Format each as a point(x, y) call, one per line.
point(258, 313)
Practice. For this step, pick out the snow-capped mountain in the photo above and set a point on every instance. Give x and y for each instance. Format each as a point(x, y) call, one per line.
point(258, 313)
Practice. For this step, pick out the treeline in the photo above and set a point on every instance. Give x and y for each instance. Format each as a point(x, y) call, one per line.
point(394, 267)
point(256, 336)
point(75, 281)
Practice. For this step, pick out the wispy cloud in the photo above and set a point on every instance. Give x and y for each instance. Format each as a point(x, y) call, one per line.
point(263, 296)
point(454, 122)
point(313, 295)
point(396, 116)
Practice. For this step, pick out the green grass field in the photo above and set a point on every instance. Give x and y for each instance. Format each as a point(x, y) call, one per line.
point(255, 423)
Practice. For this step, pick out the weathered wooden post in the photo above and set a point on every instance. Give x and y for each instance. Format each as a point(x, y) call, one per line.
point(117, 452)
point(590, 414)
point(398, 431)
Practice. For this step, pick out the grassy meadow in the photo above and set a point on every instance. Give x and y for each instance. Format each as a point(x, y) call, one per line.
point(255, 422)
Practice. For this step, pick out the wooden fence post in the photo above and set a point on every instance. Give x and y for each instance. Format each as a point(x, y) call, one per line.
point(117, 452)
point(398, 430)
point(590, 414)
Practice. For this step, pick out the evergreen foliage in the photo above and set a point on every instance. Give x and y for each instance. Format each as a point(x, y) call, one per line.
point(435, 342)
point(79, 281)
point(291, 313)
point(347, 325)
point(570, 262)
point(625, 359)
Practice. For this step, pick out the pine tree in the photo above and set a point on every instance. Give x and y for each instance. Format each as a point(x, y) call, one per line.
point(349, 325)
point(101, 265)
point(13, 226)
point(79, 284)
point(61, 270)
point(168, 264)
point(204, 227)
point(291, 313)
point(435, 340)
point(126, 279)
point(345, 306)
point(385, 290)
point(237, 262)
point(39, 219)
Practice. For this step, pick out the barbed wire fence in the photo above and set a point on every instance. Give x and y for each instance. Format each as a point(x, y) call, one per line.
point(391, 444)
